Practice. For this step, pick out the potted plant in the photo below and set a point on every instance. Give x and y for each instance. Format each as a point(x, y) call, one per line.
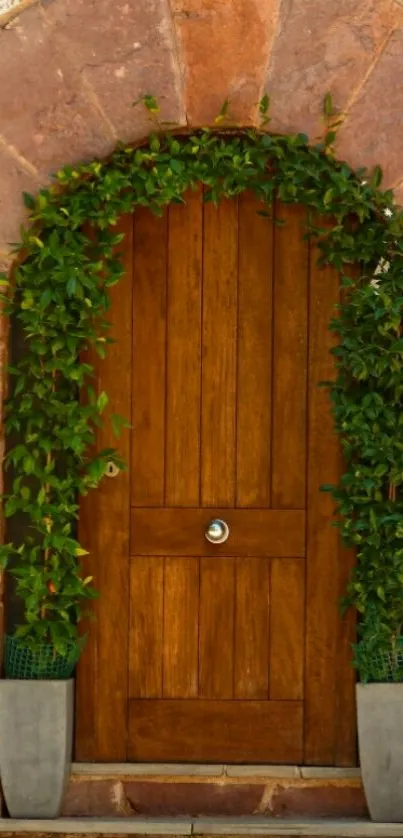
point(51, 418)
point(367, 405)
point(379, 658)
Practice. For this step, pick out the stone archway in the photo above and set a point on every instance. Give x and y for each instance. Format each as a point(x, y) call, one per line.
point(71, 70)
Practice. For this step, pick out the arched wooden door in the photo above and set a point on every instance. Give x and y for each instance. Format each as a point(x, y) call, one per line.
point(232, 652)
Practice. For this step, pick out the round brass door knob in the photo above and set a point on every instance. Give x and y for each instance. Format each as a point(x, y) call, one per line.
point(217, 531)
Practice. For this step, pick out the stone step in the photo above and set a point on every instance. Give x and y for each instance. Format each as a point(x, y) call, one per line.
point(319, 828)
point(210, 791)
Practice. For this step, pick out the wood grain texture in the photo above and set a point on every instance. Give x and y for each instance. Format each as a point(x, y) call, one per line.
point(149, 359)
point(290, 305)
point(184, 352)
point(254, 355)
point(218, 421)
point(287, 629)
point(146, 627)
point(253, 532)
point(216, 631)
point(216, 731)
point(322, 538)
point(105, 526)
point(181, 628)
point(345, 675)
point(251, 654)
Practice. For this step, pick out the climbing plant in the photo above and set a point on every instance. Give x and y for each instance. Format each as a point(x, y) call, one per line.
point(59, 295)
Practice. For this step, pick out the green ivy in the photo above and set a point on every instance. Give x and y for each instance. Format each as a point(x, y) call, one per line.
point(60, 298)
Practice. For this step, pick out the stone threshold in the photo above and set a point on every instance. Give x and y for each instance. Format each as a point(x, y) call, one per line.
point(345, 828)
point(158, 769)
point(188, 791)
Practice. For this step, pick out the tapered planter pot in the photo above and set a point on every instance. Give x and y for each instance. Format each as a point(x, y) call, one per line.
point(380, 736)
point(36, 734)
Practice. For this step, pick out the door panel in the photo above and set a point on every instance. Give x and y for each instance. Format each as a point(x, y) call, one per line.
point(323, 541)
point(251, 636)
point(181, 627)
point(217, 620)
point(184, 322)
point(231, 652)
point(287, 641)
point(171, 731)
point(148, 379)
point(261, 532)
point(254, 361)
point(290, 340)
point(219, 354)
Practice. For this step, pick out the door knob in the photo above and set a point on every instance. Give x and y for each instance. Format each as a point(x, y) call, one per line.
point(217, 531)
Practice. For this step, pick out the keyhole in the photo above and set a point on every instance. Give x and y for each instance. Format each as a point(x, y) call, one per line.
point(111, 469)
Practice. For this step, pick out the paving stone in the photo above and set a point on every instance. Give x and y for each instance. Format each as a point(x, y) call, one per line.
point(224, 48)
point(123, 50)
point(112, 798)
point(315, 773)
point(126, 796)
point(372, 133)
point(146, 769)
point(320, 799)
point(323, 47)
point(277, 771)
point(82, 826)
point(259, 826)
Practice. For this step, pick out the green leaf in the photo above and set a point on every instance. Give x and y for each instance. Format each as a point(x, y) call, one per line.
point(264, 105)
point(29, 200)
point(328, 105)
point(102, 401)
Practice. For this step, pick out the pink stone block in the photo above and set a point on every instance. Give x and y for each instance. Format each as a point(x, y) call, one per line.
point(13, 181)
point(123, 50)
point(44, 109)
point(224, 48)
point(322, 47)
point(373, 131)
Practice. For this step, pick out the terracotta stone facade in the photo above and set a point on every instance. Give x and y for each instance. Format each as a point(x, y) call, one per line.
point(71, 69)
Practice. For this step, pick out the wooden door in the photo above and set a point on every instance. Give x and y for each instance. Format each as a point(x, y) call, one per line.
point(231, 652)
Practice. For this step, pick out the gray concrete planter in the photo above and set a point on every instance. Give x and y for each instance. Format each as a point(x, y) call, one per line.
point(380, 737)
point(36, 735)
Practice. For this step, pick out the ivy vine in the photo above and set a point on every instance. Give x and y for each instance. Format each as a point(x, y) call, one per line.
point(59, 296)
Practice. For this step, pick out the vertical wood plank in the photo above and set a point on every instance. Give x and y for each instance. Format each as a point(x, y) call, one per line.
point(216, 630)
point(220, 275)
point(345, 674)
point(181, 629)
point(149, 357)
point(146, 626)
point(86, 673)
point(184, 352)
point(104, 529)
point(254, 355)
point(322, 538)
point(290, 302)
point(287, 629)
point(251, 657)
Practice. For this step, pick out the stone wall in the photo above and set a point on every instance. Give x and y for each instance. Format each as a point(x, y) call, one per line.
point(70, 70)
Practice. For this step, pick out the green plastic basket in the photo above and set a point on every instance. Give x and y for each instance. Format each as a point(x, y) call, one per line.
point(384, 666)
point(42, 662)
